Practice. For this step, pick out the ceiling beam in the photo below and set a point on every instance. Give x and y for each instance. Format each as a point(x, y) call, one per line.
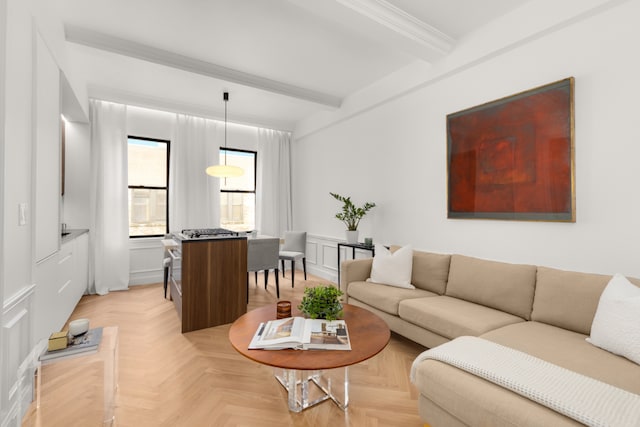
point(399, 21)
point(94, 39)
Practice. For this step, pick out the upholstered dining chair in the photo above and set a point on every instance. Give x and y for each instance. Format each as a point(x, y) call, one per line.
point(293, 249)
point(262, 254)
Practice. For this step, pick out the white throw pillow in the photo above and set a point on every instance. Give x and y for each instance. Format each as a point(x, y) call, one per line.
point(616, 325)
point(393, 269)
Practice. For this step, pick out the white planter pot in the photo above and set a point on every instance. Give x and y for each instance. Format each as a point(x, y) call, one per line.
point(352, 236)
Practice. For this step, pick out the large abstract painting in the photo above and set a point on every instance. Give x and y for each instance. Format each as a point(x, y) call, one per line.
point(514, 158)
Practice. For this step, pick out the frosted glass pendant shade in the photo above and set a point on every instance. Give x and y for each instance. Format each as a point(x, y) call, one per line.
point(224, 171)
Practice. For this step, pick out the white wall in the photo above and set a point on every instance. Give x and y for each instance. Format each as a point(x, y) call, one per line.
point(394, 153)
point(18, 171)
point(3, 26)
point(17, 293)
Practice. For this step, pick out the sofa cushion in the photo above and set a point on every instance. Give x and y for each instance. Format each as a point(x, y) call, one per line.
point(383, 297)
point(503, 286)
point(415, 333)
point(452, 317)
point(430, 270)
point(571, 351)
point(616, 325)
point(567, 299)
point(393, 269)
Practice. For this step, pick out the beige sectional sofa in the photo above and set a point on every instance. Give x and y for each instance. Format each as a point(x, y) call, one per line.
point(541, 311)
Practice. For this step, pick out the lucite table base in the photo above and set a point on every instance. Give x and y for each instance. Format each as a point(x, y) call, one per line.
point(308, 388)
point(80, 369)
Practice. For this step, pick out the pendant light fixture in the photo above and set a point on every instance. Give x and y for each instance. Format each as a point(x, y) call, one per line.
point(225, 171)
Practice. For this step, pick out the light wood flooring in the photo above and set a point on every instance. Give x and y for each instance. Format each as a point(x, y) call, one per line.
point(197, 379)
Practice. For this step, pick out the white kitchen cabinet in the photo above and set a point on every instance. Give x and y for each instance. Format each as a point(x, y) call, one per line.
point(46, 302)
point(61, 280)
point(65, 297)
point(81, 262)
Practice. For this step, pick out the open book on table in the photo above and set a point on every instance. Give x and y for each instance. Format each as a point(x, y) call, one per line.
point(301, 334)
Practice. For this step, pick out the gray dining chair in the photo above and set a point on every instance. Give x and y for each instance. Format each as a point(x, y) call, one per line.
point(262, 254)
point(293, 249)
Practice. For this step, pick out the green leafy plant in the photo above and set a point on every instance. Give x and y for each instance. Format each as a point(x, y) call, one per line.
point(322, 302)
point(350, 214)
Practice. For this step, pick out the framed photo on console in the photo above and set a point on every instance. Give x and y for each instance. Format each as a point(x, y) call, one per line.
point(513, 158)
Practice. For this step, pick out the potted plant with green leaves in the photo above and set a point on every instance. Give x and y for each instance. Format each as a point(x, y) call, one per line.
point(322, 302)
point(351, 215)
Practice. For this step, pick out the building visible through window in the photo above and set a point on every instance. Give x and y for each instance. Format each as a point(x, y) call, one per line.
point(238, 194)
point(148, 179)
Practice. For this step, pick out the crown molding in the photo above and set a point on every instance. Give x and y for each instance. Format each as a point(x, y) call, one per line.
point(399, 21)
point(94, 39)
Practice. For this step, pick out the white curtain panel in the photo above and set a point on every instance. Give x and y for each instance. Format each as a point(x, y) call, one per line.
point(194, 196)
point(109, 222)
point(273, 198)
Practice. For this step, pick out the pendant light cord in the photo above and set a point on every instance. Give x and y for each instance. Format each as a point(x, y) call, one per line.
point(226, 99)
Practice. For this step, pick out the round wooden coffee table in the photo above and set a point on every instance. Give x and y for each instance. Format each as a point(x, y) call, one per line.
point(299, 370)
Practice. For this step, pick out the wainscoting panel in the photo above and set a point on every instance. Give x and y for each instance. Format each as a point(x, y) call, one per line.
point(312, 252)
point(330, 257)
point(17, 382)
point(325, 256)
point(145, 256)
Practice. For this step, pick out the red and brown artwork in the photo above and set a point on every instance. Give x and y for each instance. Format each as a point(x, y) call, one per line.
point(514, 158)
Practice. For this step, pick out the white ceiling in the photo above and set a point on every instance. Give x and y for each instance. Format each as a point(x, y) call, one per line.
point(281, 60)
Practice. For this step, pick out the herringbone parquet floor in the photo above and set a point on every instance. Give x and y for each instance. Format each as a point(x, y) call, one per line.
point(197, 379)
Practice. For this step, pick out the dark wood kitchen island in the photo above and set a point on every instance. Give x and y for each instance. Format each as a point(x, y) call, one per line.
point(208, 281)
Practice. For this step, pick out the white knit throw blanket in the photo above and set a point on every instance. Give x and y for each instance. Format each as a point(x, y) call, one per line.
point(574, 395)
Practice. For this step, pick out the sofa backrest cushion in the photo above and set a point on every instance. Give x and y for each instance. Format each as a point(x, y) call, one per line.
point(568, 299)
point(430, 270)
point(503, 286)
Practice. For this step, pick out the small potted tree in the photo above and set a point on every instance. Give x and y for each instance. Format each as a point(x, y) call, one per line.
point(351, 215)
